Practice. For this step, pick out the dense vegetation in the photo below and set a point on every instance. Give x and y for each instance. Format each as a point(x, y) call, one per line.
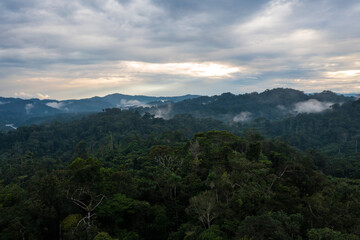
point(331, 137)
point(120, 175)
point(275, 104)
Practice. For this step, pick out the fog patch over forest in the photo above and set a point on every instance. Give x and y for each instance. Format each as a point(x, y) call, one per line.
point(56, 105)
point(11, 125)
point(242, 117)
point(312, 106)
point(163, 112)
point(125, 104)
point(28, 107)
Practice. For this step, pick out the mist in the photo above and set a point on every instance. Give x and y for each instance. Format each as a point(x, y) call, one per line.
point(28, 107)
point(125, 104)
point(242, 117)
point(312, 106)
point(163, 112)
point(57, 105)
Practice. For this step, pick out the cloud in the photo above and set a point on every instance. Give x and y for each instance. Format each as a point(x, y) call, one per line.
point(11, 125)
point(242, 117)
point(270, 18)
point(57, 105)
point(28, 107)
point(210, 70)
point(22, 95)
point(281, 107)
point(125, 104)
point(42, 96)
point(163, 112)
point(312, 106)
point(26, 95)
point(74, 49)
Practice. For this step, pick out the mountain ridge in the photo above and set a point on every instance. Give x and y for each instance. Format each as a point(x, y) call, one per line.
point(274, 104)
point(20, 112)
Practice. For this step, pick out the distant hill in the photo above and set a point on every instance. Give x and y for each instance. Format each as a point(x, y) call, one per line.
point(331, 138)
point(275, 104)
point(272, 104)
point(15, 112)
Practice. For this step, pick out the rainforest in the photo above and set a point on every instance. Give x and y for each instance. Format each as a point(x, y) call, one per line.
point(127, 174)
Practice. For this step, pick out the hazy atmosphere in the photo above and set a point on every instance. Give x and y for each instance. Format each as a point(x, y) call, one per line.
point(75, 49)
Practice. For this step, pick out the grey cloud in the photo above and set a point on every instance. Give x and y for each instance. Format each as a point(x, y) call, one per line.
point(278, 41)
point(221, 10)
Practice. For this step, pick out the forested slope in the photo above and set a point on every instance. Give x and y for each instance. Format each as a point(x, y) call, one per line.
point(274, 104)
point(338, 126)
point(117, 175)
point(332, 137)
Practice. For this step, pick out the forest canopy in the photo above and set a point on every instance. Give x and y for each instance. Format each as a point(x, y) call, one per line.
point(121, 175)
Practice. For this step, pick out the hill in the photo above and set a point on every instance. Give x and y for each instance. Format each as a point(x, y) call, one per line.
point(272, 104)
point(15, 112)
point(331, 137)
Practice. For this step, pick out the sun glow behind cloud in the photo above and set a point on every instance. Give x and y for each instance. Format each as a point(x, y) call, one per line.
point(344, 74)
point(208, 69)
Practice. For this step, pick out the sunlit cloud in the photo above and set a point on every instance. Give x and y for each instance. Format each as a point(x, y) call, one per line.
point(130, 76)
point(344, 74)
point(26, 95)
point(22, 95)
point(43, 96)
point(212, 70)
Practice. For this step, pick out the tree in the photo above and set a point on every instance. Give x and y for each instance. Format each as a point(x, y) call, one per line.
point(88, 201)
point(277, 225)
point(84, 181)
point(329, 234)
point(204, 207)
point(103, 236)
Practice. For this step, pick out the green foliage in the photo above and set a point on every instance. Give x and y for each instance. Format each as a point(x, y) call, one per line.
point(123, 176)
point(254, 151)
point(203, 207)
point(213, 233)
point(277, 225)
point(70, 223)
point(85, 171)
point(329, 234)
point(103, 236)
point(11, 194)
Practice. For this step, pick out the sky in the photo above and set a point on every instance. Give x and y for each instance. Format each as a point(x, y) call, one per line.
point(82, 48)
